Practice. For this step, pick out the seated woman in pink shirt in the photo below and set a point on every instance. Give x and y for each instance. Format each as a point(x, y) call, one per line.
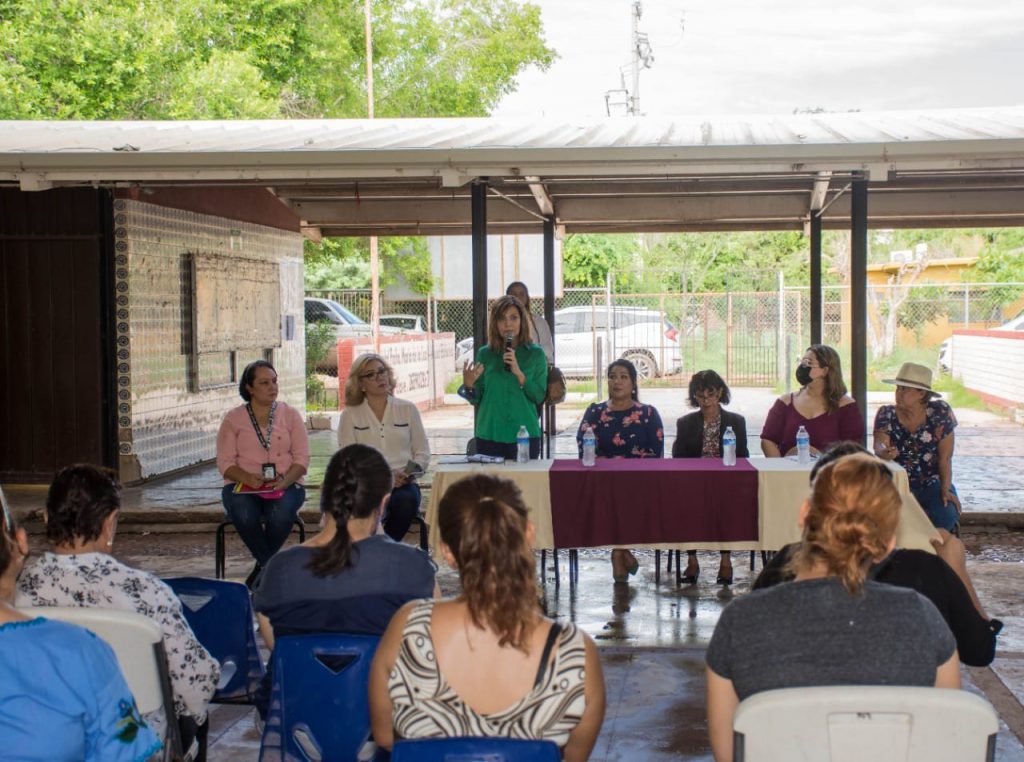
point(262, 446)
point(821, 406)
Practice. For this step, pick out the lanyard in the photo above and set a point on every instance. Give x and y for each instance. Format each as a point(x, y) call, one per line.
point(264, 440)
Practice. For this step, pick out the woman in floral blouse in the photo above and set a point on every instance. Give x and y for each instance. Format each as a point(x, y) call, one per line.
point(917, 432)
point(624, 428)
point(81, 521)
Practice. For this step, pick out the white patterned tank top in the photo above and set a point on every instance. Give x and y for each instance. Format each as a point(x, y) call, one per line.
point(425, 706)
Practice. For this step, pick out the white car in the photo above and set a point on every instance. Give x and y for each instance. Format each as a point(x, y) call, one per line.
point(346, 324)
point(946, 347)
point(642, 336)
point(405, 323)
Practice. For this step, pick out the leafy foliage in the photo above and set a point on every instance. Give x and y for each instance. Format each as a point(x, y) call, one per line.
point(214, 59)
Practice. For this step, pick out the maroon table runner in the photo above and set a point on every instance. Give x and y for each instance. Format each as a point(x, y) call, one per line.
point(634, 501)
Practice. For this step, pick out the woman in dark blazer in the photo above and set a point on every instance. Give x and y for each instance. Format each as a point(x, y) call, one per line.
point(699, 435)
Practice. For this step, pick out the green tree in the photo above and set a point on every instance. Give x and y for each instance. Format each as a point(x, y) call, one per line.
point(587, 258)
point(199, 59)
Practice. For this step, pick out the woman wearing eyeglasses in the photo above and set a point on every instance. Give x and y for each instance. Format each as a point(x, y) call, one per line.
point(821, 406)
point(374, 416)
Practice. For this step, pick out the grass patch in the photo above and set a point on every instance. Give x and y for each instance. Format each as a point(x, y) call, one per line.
point(957, 396)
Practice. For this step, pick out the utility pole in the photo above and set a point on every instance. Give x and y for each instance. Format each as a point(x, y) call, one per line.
point(374, 257)
point(642, 57)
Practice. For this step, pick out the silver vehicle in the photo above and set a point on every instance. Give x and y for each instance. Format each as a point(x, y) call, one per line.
point(642, 336)
point(347, 325)
point(405, 323)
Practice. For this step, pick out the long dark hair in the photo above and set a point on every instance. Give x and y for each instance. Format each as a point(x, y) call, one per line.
point(356, 481)
point(835, 387)
point(482, 520)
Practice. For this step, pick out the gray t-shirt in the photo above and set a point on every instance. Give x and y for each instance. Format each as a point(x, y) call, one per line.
point(815, 633)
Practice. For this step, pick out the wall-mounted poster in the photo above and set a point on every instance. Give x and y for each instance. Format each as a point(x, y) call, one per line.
point(237, 303)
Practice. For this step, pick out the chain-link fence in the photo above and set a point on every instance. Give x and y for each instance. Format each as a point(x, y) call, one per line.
point(751, 338)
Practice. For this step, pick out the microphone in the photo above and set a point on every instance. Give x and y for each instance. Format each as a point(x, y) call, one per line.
point(508, 346)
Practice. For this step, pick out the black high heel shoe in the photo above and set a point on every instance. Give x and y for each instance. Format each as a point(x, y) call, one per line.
point(723, 580)
point(690, 579)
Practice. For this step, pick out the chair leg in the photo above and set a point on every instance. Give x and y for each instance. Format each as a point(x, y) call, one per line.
point(543, 565)
point(218, 550)
point(752, 560)
point(424, 533)
point(302, 529)
point(657, 565)
point(679, 568)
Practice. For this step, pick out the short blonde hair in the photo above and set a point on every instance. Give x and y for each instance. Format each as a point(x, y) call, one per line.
point(353, 394)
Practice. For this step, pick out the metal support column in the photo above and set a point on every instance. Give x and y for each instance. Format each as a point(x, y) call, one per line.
point(549, 316)
point(817, 295)
point(858, 295)
point(479, 201)
point(479, 236)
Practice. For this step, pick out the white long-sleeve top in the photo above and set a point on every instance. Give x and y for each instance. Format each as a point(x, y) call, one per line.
point(400, 436)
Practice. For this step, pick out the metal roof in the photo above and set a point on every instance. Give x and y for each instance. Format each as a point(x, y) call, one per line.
point(410, 176)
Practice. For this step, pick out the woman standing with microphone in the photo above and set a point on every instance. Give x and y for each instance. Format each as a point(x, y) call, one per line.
point(507, 382)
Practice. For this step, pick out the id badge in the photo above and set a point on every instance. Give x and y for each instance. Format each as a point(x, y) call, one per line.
point(269, 472)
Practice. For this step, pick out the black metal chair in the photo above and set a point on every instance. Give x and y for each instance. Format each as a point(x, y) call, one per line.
point(218, 550)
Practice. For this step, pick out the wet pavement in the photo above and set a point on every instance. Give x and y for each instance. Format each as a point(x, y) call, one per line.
point(651, 636)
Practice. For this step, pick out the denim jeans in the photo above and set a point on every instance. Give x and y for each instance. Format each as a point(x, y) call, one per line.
point(942, 515)
point(263, 525)
point(402, 507)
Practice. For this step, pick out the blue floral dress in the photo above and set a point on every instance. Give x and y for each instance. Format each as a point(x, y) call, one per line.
point(632, 433)
point(918, 450)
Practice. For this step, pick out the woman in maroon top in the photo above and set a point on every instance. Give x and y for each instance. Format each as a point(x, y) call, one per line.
point(821, 406)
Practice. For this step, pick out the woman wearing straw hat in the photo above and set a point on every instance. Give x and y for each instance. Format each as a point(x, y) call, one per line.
point(917, 432)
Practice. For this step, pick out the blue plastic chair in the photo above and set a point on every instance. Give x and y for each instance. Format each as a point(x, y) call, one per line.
point(475, 750)
point(319, 707)
point(220, 614)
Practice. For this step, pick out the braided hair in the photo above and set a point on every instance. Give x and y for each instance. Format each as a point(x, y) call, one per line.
point(357, 480)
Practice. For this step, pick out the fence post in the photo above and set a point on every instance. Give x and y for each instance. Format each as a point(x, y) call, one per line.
point(781, 333)
point(967, 305)
point(728, 335)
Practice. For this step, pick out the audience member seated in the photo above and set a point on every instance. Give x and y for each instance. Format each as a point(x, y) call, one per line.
point(821, 406)
point(699, 435)
point(82, 506)
point(917, 432)
point(349, 578)
point(263, 455)
point(62, 696)
point(374, 416)
point(624, 428)
point(942, 579)
point(487, 663)
point(832, 625)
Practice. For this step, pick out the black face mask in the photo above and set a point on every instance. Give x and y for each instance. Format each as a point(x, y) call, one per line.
point(803, 375)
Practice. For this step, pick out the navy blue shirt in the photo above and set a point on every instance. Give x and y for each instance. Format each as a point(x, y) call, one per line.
point(360, 599)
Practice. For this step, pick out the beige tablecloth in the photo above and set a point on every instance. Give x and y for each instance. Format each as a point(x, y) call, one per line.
point(782, 488)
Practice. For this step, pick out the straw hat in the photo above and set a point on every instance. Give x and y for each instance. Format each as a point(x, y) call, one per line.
point(914, 376)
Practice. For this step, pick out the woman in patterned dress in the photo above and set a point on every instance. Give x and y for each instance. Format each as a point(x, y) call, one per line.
point(917, 432)
point(487, 663)
point(624, 428)
point(81, 520)
point(699, 435)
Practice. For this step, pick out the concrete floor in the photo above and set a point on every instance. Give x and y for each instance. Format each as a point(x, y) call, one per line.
point(651, 636)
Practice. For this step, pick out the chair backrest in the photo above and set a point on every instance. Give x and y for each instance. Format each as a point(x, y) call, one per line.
point(319, 708)
point(220, 614)
point(855, 723)
point(138, 644)
point(475, 750)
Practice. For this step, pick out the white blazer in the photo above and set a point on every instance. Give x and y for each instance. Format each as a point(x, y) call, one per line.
point(400, 437)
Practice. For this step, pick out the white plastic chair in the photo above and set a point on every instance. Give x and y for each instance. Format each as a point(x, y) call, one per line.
point(857, 723)
point(138, 643)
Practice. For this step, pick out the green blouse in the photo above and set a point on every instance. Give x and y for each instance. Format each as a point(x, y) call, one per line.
point(504, 406)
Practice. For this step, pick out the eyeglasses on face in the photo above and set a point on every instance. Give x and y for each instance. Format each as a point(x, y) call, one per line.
point(381, 373)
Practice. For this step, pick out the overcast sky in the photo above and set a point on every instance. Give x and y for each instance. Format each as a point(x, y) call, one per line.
point(772, 56)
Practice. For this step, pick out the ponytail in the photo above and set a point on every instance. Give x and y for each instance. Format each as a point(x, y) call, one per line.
point(357, 480)
point(483, 520)
point(854, 510)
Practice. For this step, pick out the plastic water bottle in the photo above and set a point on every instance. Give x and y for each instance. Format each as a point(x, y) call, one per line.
point(589, 447)
point(729, 447)
point(523, 445)
point(803, 446)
